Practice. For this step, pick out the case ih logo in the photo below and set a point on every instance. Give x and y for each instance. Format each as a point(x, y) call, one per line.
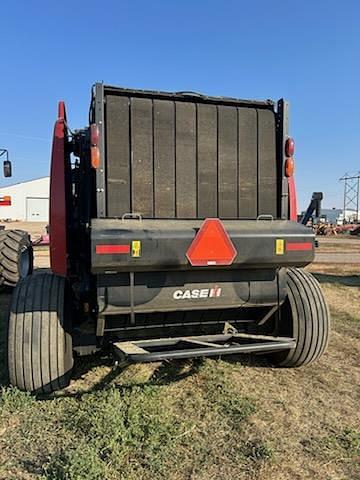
point(197, 293)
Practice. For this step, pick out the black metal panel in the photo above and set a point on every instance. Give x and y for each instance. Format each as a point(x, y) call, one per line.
point(227, 162)
point(207, 160)
point(186, 164)
point(248, 207)
point(190, 290)
point(267, 165)
point(118, 146)
point(164, 244)
point(164, 159)
point(142, 165)
point(189, 159)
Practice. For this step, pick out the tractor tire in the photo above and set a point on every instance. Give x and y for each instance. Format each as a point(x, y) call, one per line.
point(40, 356)
point(305, 317)
point(16, 257)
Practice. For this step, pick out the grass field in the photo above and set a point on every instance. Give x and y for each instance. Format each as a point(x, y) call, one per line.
point(230, 418)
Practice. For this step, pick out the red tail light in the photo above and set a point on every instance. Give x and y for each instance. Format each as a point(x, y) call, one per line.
point(289, 147)
point(289, 162)
point(94, 135)
point(211, 246)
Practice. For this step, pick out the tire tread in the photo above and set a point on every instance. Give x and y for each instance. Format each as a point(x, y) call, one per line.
point(310, 320)
point(37, 358)
point(11, 244)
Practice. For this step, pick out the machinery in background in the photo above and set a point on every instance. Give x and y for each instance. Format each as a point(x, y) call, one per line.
point(321, 225)
point(313, 208)
point(16, 253)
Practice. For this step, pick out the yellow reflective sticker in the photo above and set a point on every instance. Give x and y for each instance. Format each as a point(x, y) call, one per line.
point(136, 248)
point(280, 246)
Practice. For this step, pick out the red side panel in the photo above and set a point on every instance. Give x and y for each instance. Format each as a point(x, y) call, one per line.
point(58, 238)
point(292, 199)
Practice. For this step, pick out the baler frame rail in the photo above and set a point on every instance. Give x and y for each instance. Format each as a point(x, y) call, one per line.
point(156, 350)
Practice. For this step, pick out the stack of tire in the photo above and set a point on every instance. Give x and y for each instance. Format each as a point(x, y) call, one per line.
point(16, 257)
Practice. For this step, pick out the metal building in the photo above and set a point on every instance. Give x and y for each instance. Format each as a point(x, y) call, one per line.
point(28, 201)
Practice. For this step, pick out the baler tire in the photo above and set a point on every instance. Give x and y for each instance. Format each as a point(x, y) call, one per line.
point(40, 356)
point(16, 257)
point(2, 238)
point(304, 316)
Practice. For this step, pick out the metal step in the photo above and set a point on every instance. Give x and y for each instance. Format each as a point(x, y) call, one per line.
point(155, 350)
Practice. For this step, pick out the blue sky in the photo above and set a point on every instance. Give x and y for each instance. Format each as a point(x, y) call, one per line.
point(305, 51)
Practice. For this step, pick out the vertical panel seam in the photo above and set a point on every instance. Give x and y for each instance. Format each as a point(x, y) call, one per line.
point(217, 162)
point(153, 159)
point(131, 157)
point(106, 193)
point(257, 162)
point(237, 163)
point(197, 159)
point(175, 160)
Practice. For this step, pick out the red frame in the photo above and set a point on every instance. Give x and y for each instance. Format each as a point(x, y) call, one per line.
point(58, 219)
point(292, 199)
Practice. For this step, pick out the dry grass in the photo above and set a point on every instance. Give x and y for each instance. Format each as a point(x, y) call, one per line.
point(340, 244)
point(339, 247)
point(235, 418)
point(337, 270)
point(212, 419)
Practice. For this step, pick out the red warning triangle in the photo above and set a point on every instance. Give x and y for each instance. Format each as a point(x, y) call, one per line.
point(211, 246)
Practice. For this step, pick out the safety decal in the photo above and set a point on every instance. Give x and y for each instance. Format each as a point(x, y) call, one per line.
point(136, 248)
point(280, 246)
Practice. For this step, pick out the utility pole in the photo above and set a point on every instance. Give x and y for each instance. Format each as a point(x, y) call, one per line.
point(351, 192)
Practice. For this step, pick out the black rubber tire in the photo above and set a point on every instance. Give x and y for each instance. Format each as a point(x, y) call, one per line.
point(304, 316)
point(40, 356)
point(2, 239)
point(15, 249)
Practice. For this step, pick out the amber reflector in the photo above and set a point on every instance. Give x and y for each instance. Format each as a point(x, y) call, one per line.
point(289, 167)
point(95, 157)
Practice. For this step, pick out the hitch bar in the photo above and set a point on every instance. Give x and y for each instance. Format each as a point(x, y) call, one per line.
point(156, 350)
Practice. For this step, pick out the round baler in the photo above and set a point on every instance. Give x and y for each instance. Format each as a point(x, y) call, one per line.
point(154, 257)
